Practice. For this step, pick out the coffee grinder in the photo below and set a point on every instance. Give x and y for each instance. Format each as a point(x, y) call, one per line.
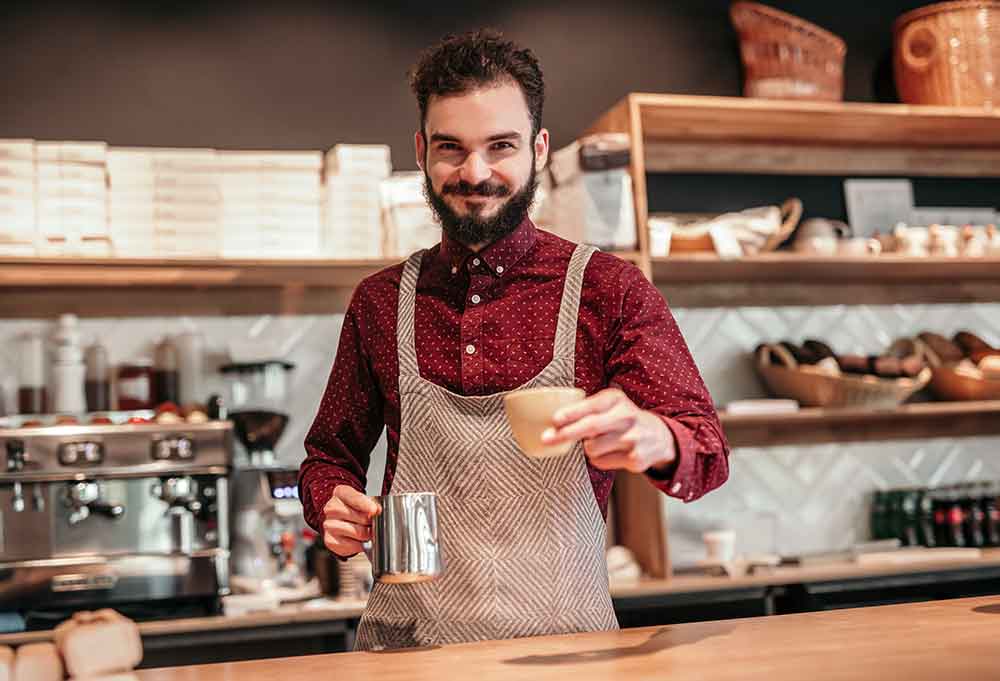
point(266, 508)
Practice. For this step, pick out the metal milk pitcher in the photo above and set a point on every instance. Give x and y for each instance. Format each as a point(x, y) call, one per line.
point(404, 548)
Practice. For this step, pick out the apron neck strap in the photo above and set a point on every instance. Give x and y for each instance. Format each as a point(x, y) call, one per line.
point(405, 328)
point(565, 346)
point(569, 307)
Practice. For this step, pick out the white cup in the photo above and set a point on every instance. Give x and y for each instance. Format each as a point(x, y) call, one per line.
point(720, 546)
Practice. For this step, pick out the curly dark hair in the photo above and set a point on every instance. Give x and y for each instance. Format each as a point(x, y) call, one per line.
point(460, 63)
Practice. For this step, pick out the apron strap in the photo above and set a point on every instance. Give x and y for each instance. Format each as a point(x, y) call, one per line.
point(565, 345)
point(406, 348)
point(569, 307)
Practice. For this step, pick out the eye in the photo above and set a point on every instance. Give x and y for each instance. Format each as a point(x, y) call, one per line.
point(448, 146)
point(502, 146)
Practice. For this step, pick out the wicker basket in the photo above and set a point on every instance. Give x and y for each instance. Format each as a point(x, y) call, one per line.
point(785, 379)
point(955, 386)
point(785, 57)
point(949, 54)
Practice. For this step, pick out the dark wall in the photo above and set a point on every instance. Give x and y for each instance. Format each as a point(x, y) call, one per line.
point(303, 75)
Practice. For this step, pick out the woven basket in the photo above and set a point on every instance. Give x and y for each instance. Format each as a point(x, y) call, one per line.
point(785, 379)
point(954, 386)
point(949, 54)
point(785, 57)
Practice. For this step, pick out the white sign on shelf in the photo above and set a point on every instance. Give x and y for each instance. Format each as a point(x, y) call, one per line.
point(877, 205)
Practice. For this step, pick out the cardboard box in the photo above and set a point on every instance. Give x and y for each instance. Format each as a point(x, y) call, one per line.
point(75, 152)
point(17, 149)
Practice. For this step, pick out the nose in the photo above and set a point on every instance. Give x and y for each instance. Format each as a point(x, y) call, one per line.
point(475, 169)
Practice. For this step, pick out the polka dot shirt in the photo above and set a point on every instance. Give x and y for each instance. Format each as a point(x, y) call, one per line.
point(485, 323)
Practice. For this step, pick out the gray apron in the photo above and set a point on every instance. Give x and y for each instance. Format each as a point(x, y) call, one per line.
point(522, 539)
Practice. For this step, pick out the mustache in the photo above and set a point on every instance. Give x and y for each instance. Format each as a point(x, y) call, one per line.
point(486, 188)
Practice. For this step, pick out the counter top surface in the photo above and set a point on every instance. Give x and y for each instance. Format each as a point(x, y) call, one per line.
point(292, 614)
point(940, 639)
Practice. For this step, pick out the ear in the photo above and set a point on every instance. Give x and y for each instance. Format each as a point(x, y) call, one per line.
point(541, 148)
point(420, 146)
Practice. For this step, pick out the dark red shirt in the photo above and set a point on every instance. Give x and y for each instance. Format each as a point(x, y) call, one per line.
point(486, 323)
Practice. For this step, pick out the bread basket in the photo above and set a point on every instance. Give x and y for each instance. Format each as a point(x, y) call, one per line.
point(786, 379)
point(951, 384)
point(785, 57)
point(948, 54)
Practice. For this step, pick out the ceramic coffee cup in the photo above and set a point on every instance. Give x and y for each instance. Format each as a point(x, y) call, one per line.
point(530, 412)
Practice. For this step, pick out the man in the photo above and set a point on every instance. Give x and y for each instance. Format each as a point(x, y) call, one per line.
point(429, 347)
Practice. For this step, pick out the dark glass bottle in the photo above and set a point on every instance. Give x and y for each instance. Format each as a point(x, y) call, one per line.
point(972, 515)
point(956, 518)
point(925, 515)
point(878, 516)
point(909, 517)
point(991, 513)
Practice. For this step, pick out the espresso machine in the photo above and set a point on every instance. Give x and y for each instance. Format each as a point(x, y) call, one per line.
point(267, 514)
point(114, 515)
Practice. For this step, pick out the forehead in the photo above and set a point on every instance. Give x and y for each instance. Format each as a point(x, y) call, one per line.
point(479, 113)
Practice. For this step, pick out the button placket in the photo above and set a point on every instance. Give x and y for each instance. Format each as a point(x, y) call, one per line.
point(472, 329)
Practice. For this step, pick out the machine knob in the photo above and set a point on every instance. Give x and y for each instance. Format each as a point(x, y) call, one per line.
point(17, 458)
point(17, 503)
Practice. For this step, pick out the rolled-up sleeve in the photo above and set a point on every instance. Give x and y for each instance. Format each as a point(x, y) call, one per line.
point(650, 361)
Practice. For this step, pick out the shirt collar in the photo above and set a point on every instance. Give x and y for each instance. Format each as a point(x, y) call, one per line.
point(499, 256)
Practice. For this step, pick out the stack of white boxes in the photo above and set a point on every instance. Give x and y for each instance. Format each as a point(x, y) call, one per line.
point(164, 202)
point(72, 193)
point(408, 222)
point(17, 197)
point(352, 201)
point(271, 204)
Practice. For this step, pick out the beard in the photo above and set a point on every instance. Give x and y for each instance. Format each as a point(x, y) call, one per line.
point(472, 229)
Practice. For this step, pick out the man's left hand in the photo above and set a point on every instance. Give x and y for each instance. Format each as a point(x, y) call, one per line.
point(616, 434)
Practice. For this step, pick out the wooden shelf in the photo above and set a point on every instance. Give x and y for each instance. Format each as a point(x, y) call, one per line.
point(684, 133)
point(35, 287)
point(817, 426)
point(93, 287)
point(788, 279)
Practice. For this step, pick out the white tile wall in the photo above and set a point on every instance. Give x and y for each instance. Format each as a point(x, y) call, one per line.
point(789, 499)
point(798, 499)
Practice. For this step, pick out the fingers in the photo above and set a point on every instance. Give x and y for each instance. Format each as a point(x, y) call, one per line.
point(350, 505)
point(603, 401)
point(629, 461)
point(342, 546)
point(346, 530)
point(619, 418)
point(609, 443)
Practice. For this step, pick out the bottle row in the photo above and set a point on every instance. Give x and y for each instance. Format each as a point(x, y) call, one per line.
point(966, 514)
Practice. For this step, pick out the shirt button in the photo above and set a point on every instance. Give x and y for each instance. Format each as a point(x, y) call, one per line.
point(676, 488)
point(499, 269)
point(475, 261)
point(476, 299)
point(470, 349)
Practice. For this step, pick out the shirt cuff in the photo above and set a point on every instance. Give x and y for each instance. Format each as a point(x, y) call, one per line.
point(678, 479)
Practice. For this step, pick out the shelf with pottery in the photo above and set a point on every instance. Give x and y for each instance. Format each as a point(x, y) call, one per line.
point(46, 287)
point(699, 134)
point(781, 278)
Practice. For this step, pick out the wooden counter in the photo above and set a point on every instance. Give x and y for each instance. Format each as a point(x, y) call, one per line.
point(936, 640)
point(800, 575)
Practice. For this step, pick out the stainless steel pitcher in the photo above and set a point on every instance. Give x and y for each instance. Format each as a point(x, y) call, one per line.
point(404, 548)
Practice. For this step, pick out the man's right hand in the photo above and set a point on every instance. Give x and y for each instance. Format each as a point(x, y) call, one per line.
point(348, 520)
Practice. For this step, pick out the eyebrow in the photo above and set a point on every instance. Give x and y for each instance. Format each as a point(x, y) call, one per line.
point(509, 135)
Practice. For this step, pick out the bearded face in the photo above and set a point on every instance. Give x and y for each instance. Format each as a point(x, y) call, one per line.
point(480, 159)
